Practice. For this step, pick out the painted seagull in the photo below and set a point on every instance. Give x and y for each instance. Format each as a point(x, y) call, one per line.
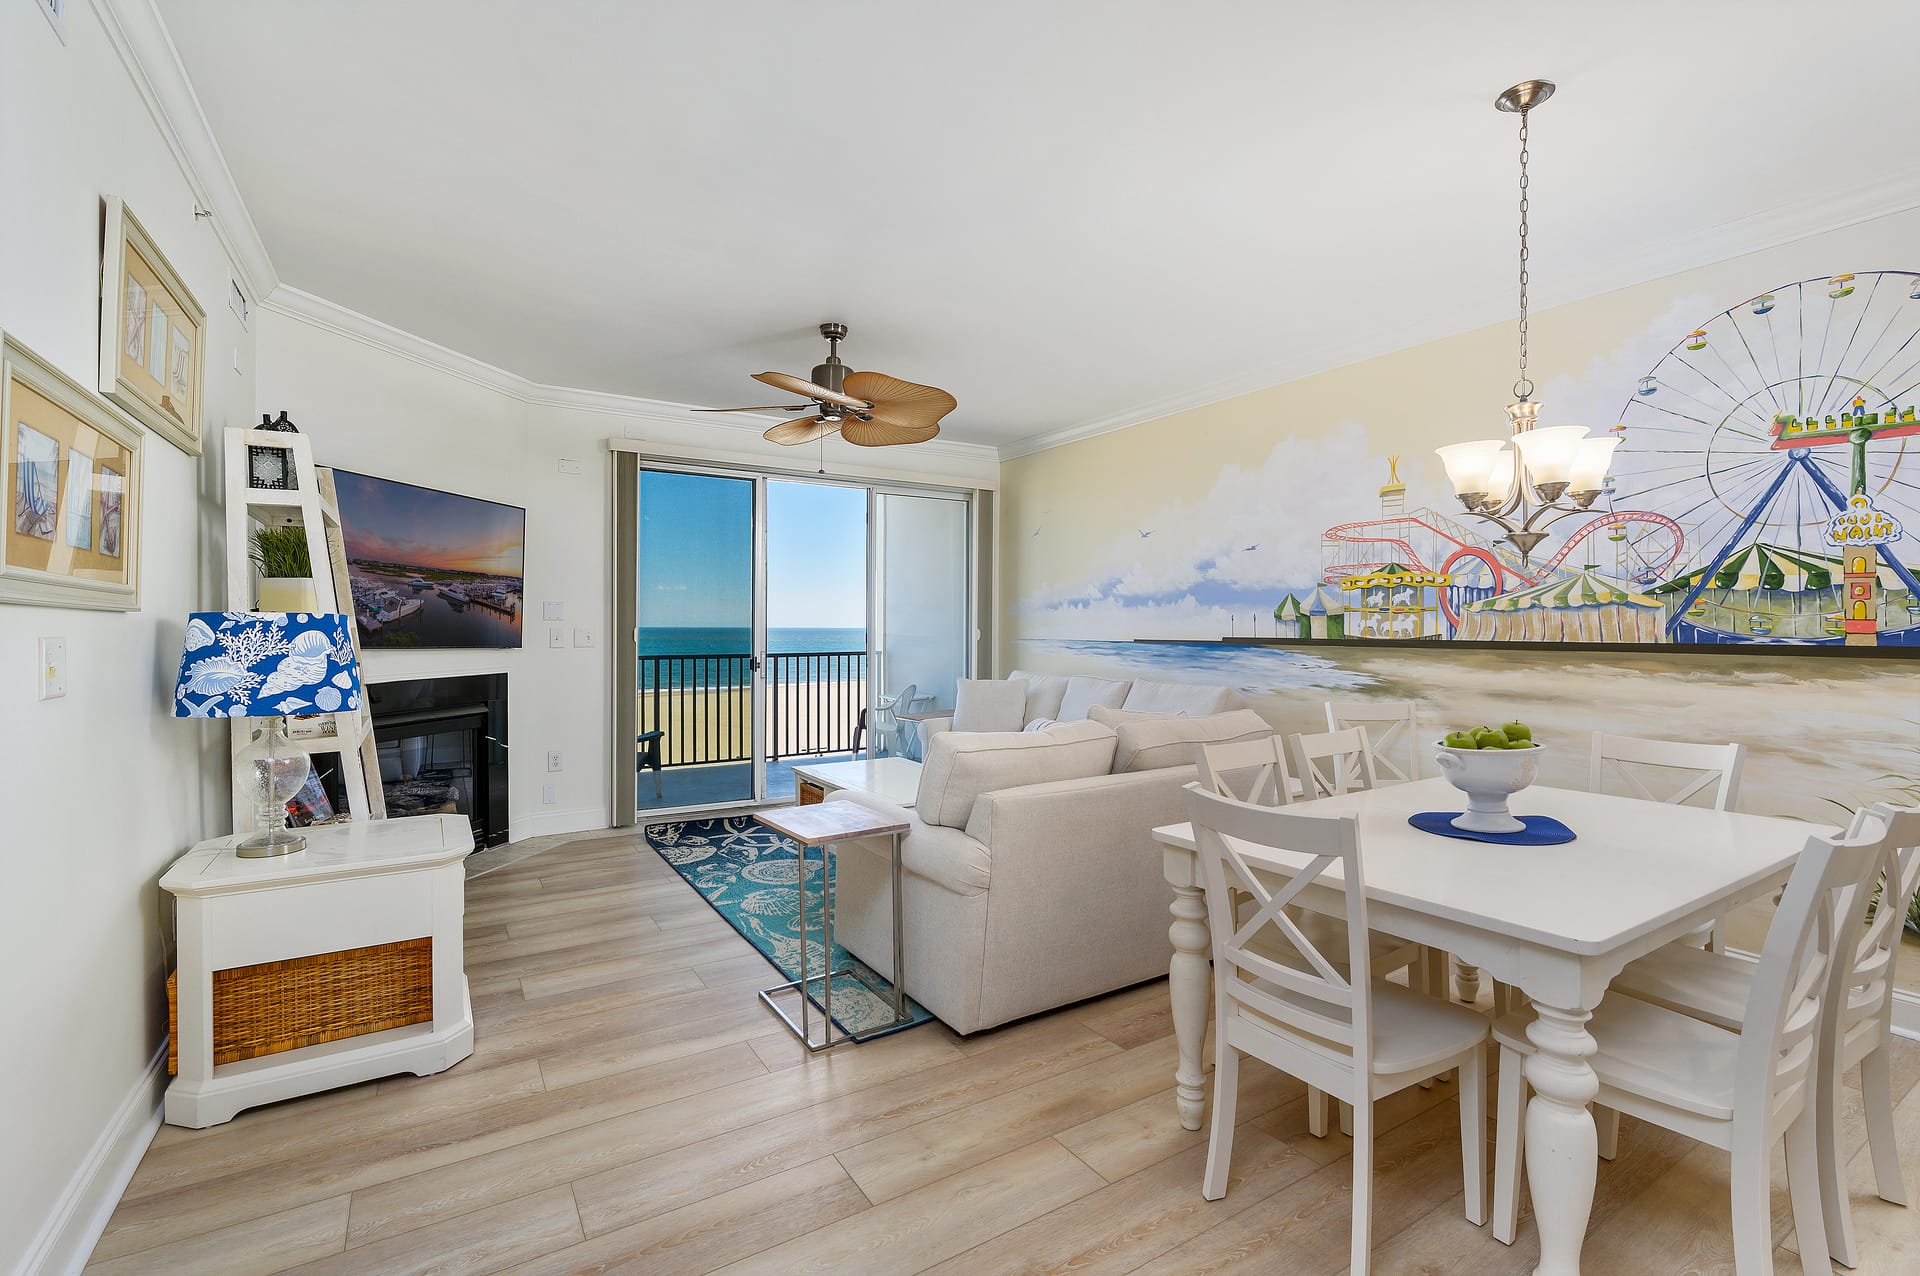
point(1144, 535)
point(1249, 549)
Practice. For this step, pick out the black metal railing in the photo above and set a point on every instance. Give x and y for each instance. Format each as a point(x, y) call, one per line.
point(814, 699)
point(702, 704)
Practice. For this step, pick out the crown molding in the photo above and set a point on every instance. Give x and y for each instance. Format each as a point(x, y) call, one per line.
point(139, 36)
point(737, 432)
point(1773, 228)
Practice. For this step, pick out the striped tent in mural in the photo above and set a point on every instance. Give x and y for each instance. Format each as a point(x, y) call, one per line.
point(1287, 618)
point(1326, 615)
point(1584, 606)
point(1772, 567)
point(1771, 591)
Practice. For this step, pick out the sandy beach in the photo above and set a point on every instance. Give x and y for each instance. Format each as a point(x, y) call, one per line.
point(714, 725)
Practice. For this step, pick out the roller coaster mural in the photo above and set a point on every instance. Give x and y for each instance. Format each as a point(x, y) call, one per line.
point(1761, 494)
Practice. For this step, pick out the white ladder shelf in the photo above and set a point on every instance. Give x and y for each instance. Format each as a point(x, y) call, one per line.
point(310, 504)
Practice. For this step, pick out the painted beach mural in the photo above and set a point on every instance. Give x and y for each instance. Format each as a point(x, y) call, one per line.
point(1764, 501)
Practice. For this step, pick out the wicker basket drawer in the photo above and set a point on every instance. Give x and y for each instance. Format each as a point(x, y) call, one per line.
point(284, 1005)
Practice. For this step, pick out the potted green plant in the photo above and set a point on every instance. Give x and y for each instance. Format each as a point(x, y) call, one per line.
point(286, 570)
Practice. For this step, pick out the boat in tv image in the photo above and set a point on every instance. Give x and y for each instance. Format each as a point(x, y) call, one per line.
point(430, 568)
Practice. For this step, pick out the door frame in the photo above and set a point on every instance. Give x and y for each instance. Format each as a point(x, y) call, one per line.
point(624, 562)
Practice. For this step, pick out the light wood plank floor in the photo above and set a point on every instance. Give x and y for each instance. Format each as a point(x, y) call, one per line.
point(629, 1107)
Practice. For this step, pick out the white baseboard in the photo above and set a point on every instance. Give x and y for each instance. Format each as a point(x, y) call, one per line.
point(545, 824)
point(67, 1238)
point(1906, 1013)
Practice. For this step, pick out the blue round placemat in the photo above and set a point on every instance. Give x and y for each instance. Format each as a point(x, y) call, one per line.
point(1541, 830)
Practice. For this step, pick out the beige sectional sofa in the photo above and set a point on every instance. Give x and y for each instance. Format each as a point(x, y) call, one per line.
point(1031, 878)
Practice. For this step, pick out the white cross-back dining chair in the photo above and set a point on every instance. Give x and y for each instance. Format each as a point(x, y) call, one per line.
point(1329, 763)
point(1256, 772)
point(1315, 1015)
point(1676, 773)
point(1857, 1030)
point(1742, 1090)
point(1393, 734)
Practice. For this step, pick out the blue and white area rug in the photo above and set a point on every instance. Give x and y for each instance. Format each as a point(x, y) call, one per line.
point(746, 871)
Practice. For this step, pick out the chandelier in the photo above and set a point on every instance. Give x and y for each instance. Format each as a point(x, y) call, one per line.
point(1539, 474)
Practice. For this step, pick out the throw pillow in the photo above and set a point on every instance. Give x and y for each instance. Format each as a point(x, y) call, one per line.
point(1044, 692)
point(1114, 717)
point(1165, 697)
point(961, 766)
point(1151, 746)
point(982, 704)
point(1083, 693)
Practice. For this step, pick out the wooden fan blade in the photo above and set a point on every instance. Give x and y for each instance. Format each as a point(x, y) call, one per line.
point(765, 407)
point(901, 403)
point(807, 389)
point(881, 432)
point(789, 433)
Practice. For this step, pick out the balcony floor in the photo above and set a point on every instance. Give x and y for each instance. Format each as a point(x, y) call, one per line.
point(723, 783)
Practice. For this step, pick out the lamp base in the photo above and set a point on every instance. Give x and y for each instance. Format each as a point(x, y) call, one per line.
point(272, 842)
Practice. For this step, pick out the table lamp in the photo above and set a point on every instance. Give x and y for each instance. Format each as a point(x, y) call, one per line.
point(272, 665)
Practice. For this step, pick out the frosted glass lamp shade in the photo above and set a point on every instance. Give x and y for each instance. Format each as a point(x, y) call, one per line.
point(1471, 467)
point(1548, 453)
point(1500, 474)
point(1591, 459)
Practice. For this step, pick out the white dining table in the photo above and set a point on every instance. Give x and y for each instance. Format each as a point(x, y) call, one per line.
point(1558, 922)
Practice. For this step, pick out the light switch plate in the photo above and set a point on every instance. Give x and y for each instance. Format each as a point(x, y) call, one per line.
point(582, 636)
point(570, 466)
point(555, 611)
point(53, 668)
point(556, 636)
point(548, 794)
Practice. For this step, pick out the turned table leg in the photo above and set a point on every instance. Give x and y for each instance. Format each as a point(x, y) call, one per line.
point(1467, 979)
point(1190, 987)
point(1562, 1144)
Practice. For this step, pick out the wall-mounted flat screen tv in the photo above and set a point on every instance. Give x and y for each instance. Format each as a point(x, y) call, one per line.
point(431, 568)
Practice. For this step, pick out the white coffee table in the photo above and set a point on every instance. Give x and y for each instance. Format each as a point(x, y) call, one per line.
point(897, 780)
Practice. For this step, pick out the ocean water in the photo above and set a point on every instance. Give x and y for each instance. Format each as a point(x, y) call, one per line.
point(717, 655)
point(1250, 670)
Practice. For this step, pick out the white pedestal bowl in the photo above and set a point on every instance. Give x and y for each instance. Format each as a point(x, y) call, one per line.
point(1488, 777)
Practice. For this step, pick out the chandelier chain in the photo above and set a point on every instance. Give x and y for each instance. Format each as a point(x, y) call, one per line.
point(1523, 388)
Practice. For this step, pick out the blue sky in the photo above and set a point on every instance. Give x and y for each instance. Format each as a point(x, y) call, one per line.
point(696, 553)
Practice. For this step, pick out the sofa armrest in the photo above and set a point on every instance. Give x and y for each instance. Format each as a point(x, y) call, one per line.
point(945, 856)
point(931, 727)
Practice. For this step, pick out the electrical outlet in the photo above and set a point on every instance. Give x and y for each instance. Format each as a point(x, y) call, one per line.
point(555, 611)
point(53, 668)
point(582, 636)
point(556, 636)
point(548, 794)
point(553, 759)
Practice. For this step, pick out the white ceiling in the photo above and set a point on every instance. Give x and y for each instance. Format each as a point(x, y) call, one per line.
point(1067, 213)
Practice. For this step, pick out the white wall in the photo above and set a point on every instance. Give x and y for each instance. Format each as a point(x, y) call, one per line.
point(382, 402)
point(99, 791)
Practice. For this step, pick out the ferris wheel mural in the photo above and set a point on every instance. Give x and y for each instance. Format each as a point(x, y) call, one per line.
point(1782, 437)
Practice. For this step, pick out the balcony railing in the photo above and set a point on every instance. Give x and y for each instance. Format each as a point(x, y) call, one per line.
point(703, 704)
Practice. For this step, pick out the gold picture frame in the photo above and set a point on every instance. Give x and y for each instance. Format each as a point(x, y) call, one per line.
point(70, 534)
point(153, 334)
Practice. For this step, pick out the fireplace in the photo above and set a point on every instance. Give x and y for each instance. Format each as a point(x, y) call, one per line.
point(442, 744)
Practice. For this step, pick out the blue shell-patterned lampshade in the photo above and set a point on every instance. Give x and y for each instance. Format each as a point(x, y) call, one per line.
point(265, 664)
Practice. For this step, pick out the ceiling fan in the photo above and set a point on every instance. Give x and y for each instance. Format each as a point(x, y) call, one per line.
point(870, 409)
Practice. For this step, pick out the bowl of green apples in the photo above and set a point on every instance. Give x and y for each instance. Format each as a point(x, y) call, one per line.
point(1489, 765)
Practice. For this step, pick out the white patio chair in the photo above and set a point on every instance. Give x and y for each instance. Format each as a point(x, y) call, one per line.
point(1857, 1030)
point(1393, 734)
point(1740, 1090)
point(1330, 763)
point(885, 726)
point(1323, 1020)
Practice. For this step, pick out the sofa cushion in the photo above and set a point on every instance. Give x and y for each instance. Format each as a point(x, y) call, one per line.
point(1084, 692)
point(1044, 693)
point(960, 766)
point(1150, 746)
point(1171, 697)
point(981, 704)
point(1114, 717)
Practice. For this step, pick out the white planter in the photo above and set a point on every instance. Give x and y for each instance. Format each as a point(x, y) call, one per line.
point(1488, 777)
point(287, 594)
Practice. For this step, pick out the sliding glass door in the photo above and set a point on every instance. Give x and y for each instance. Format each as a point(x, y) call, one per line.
point(923, 630)
point(699, 639)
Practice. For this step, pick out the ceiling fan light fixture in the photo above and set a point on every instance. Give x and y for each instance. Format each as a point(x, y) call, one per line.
point(870, 409)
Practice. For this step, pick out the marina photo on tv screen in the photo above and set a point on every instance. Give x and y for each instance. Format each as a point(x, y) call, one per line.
point(431, 568)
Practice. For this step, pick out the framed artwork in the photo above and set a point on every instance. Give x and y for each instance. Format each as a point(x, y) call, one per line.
point(152, 334)
point(70, 536)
